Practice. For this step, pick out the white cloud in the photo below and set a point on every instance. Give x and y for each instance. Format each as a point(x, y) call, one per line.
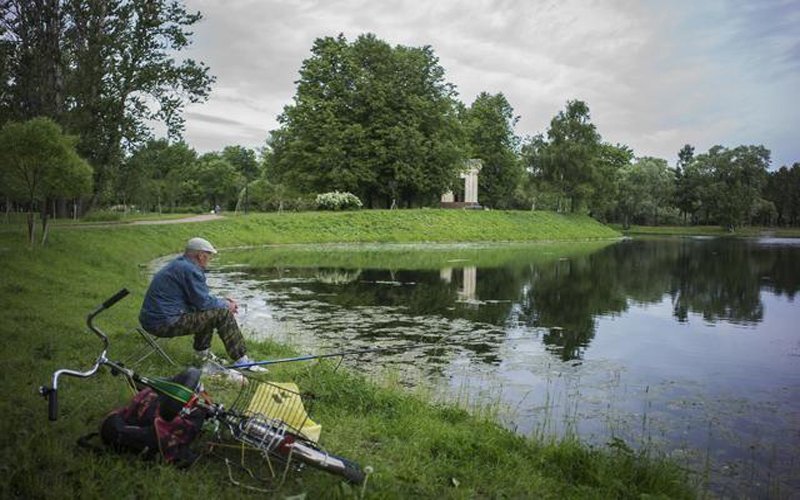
point(655, 75)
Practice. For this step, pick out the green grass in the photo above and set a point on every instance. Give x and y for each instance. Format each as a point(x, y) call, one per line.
point(398, 256)
point(750, 231)
point(418, 448)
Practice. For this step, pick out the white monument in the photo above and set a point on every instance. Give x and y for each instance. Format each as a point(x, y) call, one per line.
point(469, 198)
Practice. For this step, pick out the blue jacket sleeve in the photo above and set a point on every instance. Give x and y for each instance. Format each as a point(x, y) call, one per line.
point(197, 292)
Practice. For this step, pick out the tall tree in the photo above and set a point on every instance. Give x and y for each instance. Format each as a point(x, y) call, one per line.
point(104, 69)
point(608, 165)
point(686, 195)
point(645, 190)
point(246, 164)
point(218, 180)
point(243, 160)
point(371, 119)
point(152, 175)
point(489, 127)
point(569, 158)
point(737, 178)
point(33, 59)
point(39, 163)
point(783, 190)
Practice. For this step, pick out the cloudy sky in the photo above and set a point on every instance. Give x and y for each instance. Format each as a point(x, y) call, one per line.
point(655, 74)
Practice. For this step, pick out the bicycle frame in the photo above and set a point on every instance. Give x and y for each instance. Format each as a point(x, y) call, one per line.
point(262, 433)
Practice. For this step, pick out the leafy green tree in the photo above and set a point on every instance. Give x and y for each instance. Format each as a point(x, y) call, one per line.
point(39, 163)
point(218, 180)
point(686, 190)
point(245, 162)
point(371, 119)
point(660, 181)
point(737, 178)
point(535, 190)
point(645, 189)
point(783, 190)
point(152, 175)
point(489, 128)
point(568, 161)
point(104, 69)
point(633, 193)
point(608, 165)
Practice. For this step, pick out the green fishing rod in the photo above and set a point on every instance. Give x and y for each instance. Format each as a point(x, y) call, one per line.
point(331, 355)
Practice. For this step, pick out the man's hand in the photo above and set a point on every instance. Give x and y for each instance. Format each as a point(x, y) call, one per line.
point(232, 305)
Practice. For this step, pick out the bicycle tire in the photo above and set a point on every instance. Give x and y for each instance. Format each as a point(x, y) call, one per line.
point(315, 457)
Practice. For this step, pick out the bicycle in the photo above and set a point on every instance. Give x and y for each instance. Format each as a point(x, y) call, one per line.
point(280, 433)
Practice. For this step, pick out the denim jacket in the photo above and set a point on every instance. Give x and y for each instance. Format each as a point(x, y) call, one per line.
point(178, 288)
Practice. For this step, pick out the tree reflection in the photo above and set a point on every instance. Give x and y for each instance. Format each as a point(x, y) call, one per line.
point(720, 280)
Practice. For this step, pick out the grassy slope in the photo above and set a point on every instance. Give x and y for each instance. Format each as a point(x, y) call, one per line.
point(750, 231)
point(417, 449)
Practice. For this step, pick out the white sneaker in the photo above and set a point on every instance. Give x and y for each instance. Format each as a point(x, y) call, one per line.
point(253, 368)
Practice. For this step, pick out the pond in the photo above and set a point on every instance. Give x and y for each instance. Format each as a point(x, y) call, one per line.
point(684, 346)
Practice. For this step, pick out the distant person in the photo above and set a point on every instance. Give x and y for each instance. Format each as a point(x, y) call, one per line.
point(178, 303)
point(217, 210)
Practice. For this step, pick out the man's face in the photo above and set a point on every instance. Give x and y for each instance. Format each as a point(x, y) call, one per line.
point(203, 258)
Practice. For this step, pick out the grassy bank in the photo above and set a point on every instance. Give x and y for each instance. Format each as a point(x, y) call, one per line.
point(749, 232)
point(417, 449)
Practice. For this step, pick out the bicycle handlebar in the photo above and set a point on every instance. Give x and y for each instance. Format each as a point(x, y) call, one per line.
point(51, 393)
point(115, 298)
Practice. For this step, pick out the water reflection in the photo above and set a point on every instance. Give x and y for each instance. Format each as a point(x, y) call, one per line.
point(692, 342)
point(718, 280)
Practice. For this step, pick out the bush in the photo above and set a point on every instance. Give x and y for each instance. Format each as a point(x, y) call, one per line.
point(338, 201)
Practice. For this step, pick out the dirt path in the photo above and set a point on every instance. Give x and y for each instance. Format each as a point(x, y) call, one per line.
point(194, 218)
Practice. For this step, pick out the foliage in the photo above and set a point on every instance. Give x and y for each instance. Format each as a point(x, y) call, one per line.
point(39, 163)
point(273, 197)
point(608, 164)
point(568, 159)
point(783, 191)
point(243, 160)
point(218, 182)
point(736, 179)
point(489, 129)
point(338, 201)
point(103, 69)
point(153, 175)
point(645, 190)
point(371, 119)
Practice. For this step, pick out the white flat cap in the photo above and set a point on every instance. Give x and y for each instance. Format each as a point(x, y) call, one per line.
point(200, 245)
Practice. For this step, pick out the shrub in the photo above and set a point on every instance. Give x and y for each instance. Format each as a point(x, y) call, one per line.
point(338, 201)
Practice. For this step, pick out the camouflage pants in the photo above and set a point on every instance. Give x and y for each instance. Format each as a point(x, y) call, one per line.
point(201, 324)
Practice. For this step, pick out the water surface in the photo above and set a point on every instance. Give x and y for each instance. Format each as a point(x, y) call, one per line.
point(685, 346)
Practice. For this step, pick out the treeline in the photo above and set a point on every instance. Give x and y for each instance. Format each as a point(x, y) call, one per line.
point(375, 120)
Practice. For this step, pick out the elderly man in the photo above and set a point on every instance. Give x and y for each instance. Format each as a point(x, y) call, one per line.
point(178, 303)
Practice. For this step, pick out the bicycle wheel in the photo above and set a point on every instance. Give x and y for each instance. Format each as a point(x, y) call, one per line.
point(322, 460)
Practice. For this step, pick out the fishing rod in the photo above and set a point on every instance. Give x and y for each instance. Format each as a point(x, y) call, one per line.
point(331, 355)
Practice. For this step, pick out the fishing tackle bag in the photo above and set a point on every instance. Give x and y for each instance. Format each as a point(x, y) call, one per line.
point(152, 425)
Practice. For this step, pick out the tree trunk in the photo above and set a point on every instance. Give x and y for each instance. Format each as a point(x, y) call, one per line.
point(45, 224)
point(31, 226)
